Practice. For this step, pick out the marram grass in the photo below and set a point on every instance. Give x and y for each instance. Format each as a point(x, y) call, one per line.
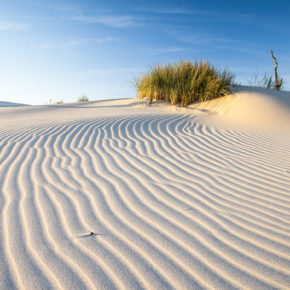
point(184, 83)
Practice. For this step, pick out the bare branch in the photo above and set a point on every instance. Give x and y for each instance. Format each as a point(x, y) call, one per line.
point(277, 85)
point(275, 60)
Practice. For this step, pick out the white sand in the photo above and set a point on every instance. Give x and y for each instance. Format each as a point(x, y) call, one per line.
point(177, 198)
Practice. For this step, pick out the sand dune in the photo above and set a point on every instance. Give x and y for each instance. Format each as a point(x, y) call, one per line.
point(251, 108)
point(173, 201)
point(10, 104)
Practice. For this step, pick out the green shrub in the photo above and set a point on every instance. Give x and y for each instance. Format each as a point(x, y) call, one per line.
point(83, 99)
point(184, 83)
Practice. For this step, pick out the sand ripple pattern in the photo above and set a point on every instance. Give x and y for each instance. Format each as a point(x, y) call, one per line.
point(173, 204)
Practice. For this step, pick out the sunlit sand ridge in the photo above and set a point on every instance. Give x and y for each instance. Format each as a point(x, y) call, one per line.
point(122, 195)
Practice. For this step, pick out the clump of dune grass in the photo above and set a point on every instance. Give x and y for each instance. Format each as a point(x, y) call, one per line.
point(83, 99)
point(184, 83)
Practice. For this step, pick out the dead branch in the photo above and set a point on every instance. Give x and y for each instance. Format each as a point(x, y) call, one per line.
point(276, 73)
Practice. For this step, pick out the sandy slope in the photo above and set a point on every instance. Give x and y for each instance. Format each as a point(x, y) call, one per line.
point(9, 104)
point(174, 200)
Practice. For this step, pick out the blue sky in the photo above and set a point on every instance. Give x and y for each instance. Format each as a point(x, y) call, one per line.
point(62, 50)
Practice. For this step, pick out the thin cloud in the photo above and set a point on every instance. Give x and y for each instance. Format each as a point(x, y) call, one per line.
point(64, 7)
point(243, 47)
point(111, 71)
point(112, 20)
point(105, 72)
point(168, 11)
point(202, 39)
point(181, 11)
point(76, 42)
point(13, 26)
point(203, 15)
point(154, 51)
point(86, 41)
point(220, 43)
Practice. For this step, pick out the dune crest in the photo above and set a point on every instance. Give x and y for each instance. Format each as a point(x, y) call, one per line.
point(255, 108)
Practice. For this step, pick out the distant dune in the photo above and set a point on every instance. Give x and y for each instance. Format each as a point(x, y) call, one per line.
point(122, 194)
point(9, 104)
